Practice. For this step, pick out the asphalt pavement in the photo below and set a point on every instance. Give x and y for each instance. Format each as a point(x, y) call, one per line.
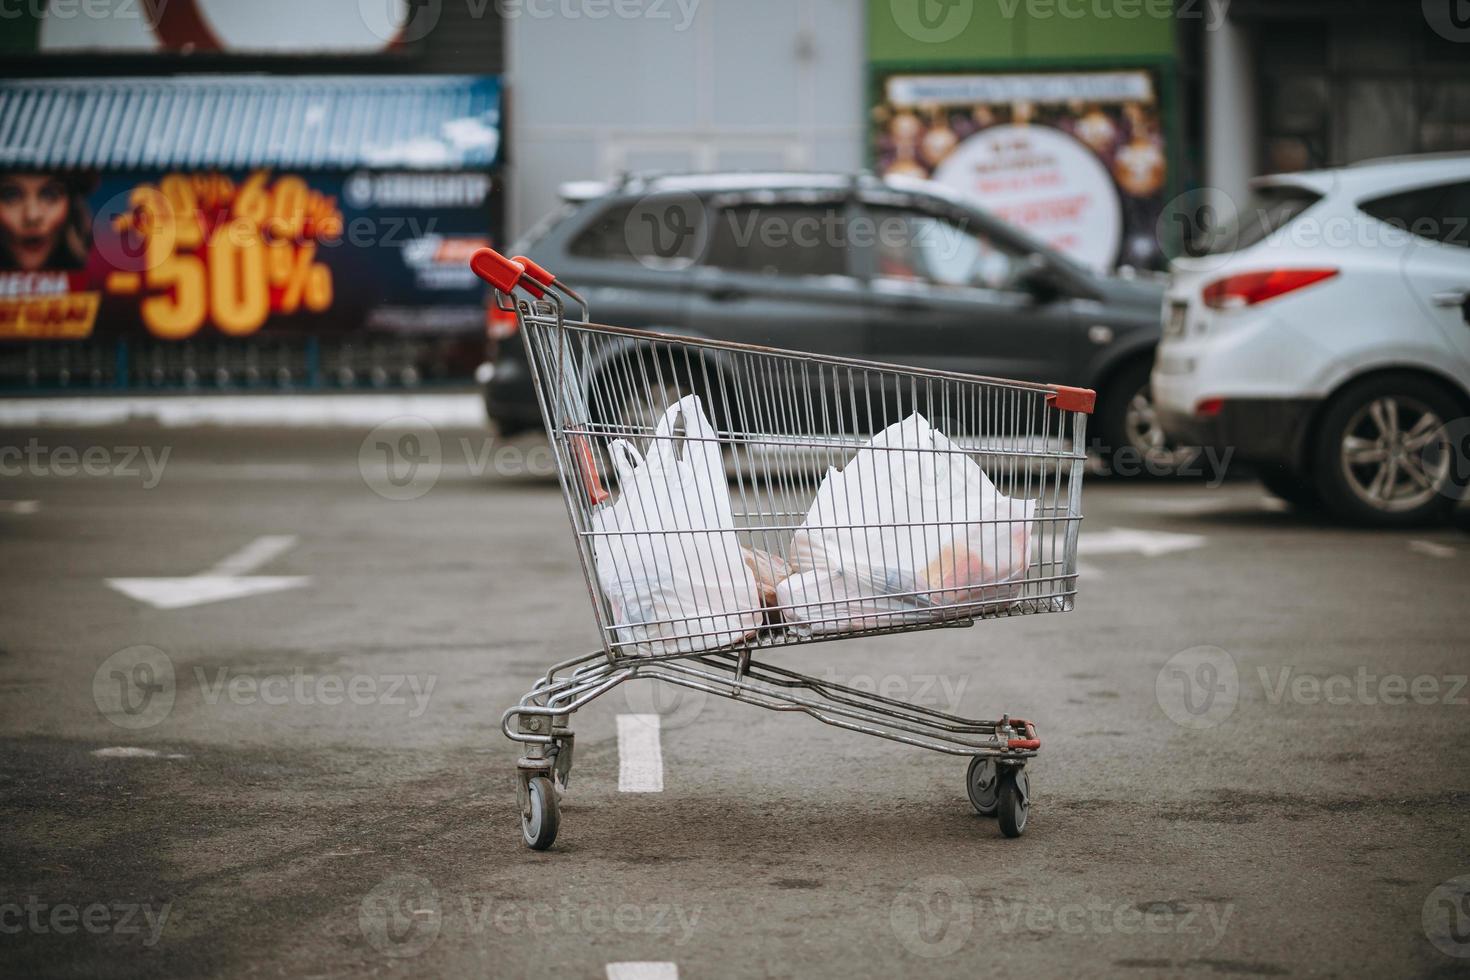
point(250, 691)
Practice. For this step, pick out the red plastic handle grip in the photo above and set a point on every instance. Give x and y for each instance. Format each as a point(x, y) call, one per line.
point(591, 482)
point(535, 277)
point(535, 271)
point(1072, 399)
point(502, 273)
point(1030, 742)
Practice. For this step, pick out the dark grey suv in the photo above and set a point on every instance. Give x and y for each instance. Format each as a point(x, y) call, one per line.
point(889, 269)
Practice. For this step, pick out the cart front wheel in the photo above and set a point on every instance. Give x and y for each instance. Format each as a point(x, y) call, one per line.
point(1014, 803)
point(982, 782)
point(540, 818)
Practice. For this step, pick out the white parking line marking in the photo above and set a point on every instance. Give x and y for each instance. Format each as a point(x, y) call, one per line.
point(19, 506)
point(1431, 549)
point(640, 754)
point(643, 971)
point(229, 579)
point(1126, 541)
point(134, 752)
point(255, 554)
point(1177, 507)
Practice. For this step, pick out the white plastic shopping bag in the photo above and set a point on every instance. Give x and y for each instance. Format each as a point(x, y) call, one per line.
point(668, 558)
point(908, 530)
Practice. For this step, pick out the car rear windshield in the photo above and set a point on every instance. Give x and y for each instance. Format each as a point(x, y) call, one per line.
point(1268, 211)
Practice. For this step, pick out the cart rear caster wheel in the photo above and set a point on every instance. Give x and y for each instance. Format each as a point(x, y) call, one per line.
point(561, 769)
point(541, 818)
point(982, 782)
point(1015, 802)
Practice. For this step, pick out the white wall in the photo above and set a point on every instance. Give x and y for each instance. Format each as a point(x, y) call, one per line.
point(696, 85)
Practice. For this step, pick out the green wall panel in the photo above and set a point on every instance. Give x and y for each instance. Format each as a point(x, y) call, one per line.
point(1149, 34)
point(904, 30)
point(916, 32)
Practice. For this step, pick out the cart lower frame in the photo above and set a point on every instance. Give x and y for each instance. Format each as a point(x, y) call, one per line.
point(996, 783)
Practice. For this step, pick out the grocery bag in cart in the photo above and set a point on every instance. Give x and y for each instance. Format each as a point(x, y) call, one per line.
point(910, 531)
point(668, 558)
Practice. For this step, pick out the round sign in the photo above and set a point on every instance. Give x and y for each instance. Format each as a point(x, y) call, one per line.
point(336, 26)
point(1046, 182)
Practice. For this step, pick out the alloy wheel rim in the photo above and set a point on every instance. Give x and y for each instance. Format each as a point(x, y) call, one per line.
point(1395, 454)
point(1146, 436)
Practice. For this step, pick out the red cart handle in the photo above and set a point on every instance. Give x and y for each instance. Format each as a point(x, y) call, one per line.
point(1030, 742)
point(502, 273)
point(507, 274)
point(1072, 399)
point(535, 271)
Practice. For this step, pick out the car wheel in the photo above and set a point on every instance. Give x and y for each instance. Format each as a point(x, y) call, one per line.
point(1383, 455)
point(1130, 441)
point(1287, 485)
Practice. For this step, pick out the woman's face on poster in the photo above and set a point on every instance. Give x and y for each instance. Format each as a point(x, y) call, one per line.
point(33, 213)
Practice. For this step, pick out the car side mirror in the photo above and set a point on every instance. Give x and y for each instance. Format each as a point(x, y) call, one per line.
point(1040, 278)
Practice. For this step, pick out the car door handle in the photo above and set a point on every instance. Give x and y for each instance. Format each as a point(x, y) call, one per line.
point(725, 294)
point(1452, 298)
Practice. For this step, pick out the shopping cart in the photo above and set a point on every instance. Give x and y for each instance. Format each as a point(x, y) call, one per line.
point(784, 422)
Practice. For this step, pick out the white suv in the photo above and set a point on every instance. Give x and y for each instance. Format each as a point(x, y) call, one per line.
point(1326, 337)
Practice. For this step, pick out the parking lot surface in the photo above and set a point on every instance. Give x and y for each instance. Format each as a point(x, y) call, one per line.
point(250, 710)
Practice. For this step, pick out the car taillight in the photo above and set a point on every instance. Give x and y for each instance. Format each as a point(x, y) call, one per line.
point(1209, 408)
point(1251, 288)
point(500, 324)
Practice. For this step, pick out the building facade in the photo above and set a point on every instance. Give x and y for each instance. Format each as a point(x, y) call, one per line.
point(1302, 84)
point(680, 86)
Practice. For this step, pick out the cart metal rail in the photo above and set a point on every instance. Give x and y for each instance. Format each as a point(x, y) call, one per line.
point(784, 422)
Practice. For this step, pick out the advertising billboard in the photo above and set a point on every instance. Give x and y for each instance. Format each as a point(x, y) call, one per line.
point(343, 27)
point(195, 255)
point(1078, 159)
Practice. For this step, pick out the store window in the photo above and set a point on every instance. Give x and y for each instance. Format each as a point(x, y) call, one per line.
point(1343, 89)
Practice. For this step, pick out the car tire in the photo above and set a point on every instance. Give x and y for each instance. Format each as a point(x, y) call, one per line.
point(1290, 486)
point(1129, 442)
point(1382, 456)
